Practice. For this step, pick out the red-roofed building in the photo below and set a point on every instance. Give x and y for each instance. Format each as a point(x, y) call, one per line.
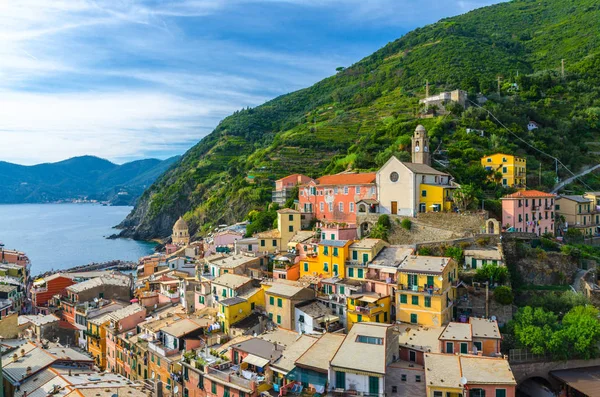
point(45, 288)
point(529, 211)
point(334, 197)
point(285, 186)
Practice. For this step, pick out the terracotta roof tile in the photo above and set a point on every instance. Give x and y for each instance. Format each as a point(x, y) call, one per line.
point(529, 194)
point(347, 179)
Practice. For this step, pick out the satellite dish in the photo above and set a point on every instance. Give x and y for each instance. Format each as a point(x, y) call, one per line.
point(463, 381)
point(176, 389)
point(493, 318)
point(440, 278)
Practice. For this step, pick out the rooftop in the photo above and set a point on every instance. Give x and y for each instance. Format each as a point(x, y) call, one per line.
point(282, 337)
point(125, 312)
point(391, 256)
point(425, 339)
point(233, 261)
point(577, 199)
point(301, 236)
point(230, 280)
point(584, 380)
point(38, 319)
point(287, 361)
point(284, 290)
point(418, 168)
point(288, 211)
point(366, 243)
point(347, 179)
point(528, 194)
point(484, 328)
point(457, 331)
point(314, 309)
point(493, 254)
point(372, 356)
point(319, 355)
point(444, 370)
point(273, 233)
point(334, 243)
point(424, 264)
point(261, 348)
point(7, 288)
point(116, 280)
point(185, 326)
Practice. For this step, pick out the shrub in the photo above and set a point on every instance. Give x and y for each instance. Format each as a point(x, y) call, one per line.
point(549, 245)
point(503, 295)
point(455, 253)
point(424, 251)
point(492, 273)
point(384, 220)
point(406, 224)
point(483, 241)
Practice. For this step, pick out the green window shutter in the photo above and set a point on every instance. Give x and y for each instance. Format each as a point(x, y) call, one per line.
point(415, 300)
point(342, 289)
point(430, 280)
point(224, 293)
point(385, 317)
point(213, 387)
point(478, 346)
point(500, 392)
point(359, 318)
point(428, 301)
point(473, 263)
point(373, 385)
point(271, 316)
point(464, 348)
point(335, 270)
point(377, 318)
point(365, 258)
point(449, 347)
point(325, 250)
point(354, 255)
point(279, 302)
point(335, 251)
point(351, 272)
point(403, 298)
point(305, 266)
point(360, 273)
point(278, 319)
point(340, 380)
point(413, 318)
point(271, 300)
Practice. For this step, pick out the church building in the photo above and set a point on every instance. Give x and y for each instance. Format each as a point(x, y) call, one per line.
point(181, 233)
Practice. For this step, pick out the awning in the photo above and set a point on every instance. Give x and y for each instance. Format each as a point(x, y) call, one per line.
point(368, 201)
point(388, 269)
point(330, 318)
point(256, 361)
point(306, 375)
point(370, 299)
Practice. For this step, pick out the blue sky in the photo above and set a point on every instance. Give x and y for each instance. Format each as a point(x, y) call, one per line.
point(127, 79)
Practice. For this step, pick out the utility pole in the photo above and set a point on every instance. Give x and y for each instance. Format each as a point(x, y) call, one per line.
point(540, 173)
point(499, 86)
point(562, 68)
point(487, 296)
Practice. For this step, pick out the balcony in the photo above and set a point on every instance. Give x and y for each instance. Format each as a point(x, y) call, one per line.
point(233, 374)
point(367, 310)
point(356, 263)
point(380, 278)
point(431, 290)
point(157, 346)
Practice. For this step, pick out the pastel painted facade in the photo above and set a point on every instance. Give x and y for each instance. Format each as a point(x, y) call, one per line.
point(45, 288)
point(276, 240)
point(285, 268)
point(369, 307)
point(425, 293)
point(336, 231)
point(334, 197)
point(512, 168)
point(280, 302)
point(579, 212)
point(329, 260)
point(284, 187)
point(224, 240)
point(235, 309)
point(529, 211)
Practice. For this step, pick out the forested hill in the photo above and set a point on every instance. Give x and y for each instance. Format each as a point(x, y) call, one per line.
point(367, 112)
point(85, 177)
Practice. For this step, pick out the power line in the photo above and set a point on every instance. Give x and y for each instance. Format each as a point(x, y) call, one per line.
point(530, 145)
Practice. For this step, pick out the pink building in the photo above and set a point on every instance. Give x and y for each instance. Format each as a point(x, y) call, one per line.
point(337, 231)
point(529, 211)
point(334, 197)
point(284, 186)
point(120, 322)
point(224, 239)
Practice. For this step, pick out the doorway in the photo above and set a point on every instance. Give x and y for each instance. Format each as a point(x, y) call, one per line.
point(394, 208)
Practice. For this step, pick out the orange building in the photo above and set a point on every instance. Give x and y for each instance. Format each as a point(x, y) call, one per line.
point(334, 197)
point(45, 288)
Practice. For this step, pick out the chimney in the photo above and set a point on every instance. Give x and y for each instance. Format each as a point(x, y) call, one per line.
point(28, 371)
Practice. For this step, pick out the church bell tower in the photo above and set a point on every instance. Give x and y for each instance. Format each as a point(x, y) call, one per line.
point(420, 146)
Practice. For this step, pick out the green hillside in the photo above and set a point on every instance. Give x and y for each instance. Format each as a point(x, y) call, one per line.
point(367, 112)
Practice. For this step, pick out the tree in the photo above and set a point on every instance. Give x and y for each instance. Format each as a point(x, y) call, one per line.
point(384, 220)
point(340, 69)
point(492, 273)
point(455, 253)
point(503, 295)
point(379, 231)
point(465, 197)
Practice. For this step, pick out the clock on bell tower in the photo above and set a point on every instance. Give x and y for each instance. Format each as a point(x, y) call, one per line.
point(420, 146)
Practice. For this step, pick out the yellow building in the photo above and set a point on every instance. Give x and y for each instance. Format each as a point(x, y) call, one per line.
point(96, 339)
point(435, 198)
point(367, 307)
point(426, 292)
point(281, 300)
point(330, 260)
point(579, 212)
point(276, 240)
point(181, 233)
point(235, 309)
point(512, 168)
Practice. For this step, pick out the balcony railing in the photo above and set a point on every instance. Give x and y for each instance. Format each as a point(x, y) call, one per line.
point(367, 310)
point(378, 277)
point(428, 289)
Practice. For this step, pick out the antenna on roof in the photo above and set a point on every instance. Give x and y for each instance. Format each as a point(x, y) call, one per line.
point(463, 381)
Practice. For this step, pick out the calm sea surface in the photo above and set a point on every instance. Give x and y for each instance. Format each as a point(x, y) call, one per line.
point(59, 236)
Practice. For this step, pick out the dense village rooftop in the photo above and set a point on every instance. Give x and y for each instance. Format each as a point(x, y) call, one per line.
point(493, 254)
point(319, 355)
point(424, 264)
point(484, 328)
point(231, 280)
point(286, 362)
point(418, 337)
point(443, 370)
point(284, 290)
point(232, 261)
point(391, 256)
point(366, 243)
point(185, 326)
point(457, 331)
point(37, 320)
point(115, 280)
point(372, 355)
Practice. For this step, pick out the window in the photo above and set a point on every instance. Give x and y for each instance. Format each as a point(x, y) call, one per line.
point(332, 236)
point(322, 206)
point(335, 269)
point(357, 189)
point(504, 170)
point(365, 258)
point(428, 301)
point(335, 190)
point(325, 267)
point(158, 361)
point(342, 289)
point(242, 394)
point(354, 255)
point(351, 272)
point(394, 389)
point(351, 207)
point(413, 318)
point(360, 273)
point(274, 243)
point(346, 189)
point(291, 217)
point(449, 347)
point(290, 228)
point(418, 378)
point(438, 394)
point(403, 298)
point(271, 300)
point(262, 243)
point(520, 218)
point(278, 319)
point(271, 316)
point(359, 318)
point(478, 346)
point(213, 387)
point(279, 302)
point(415, 300)
point(476, 393)
point(423, 193)
point(341, 206)
point(330, 207)
point(335, 251)
point(305, 266)
point(373, 190)
point(325, 250)
point(500, 392)
point(301, 318)
point(412, 356)
point(464, 348)
point(403, 377)
point(504, 181)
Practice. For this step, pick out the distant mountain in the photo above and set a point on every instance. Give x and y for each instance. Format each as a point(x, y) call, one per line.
point(80, 178)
